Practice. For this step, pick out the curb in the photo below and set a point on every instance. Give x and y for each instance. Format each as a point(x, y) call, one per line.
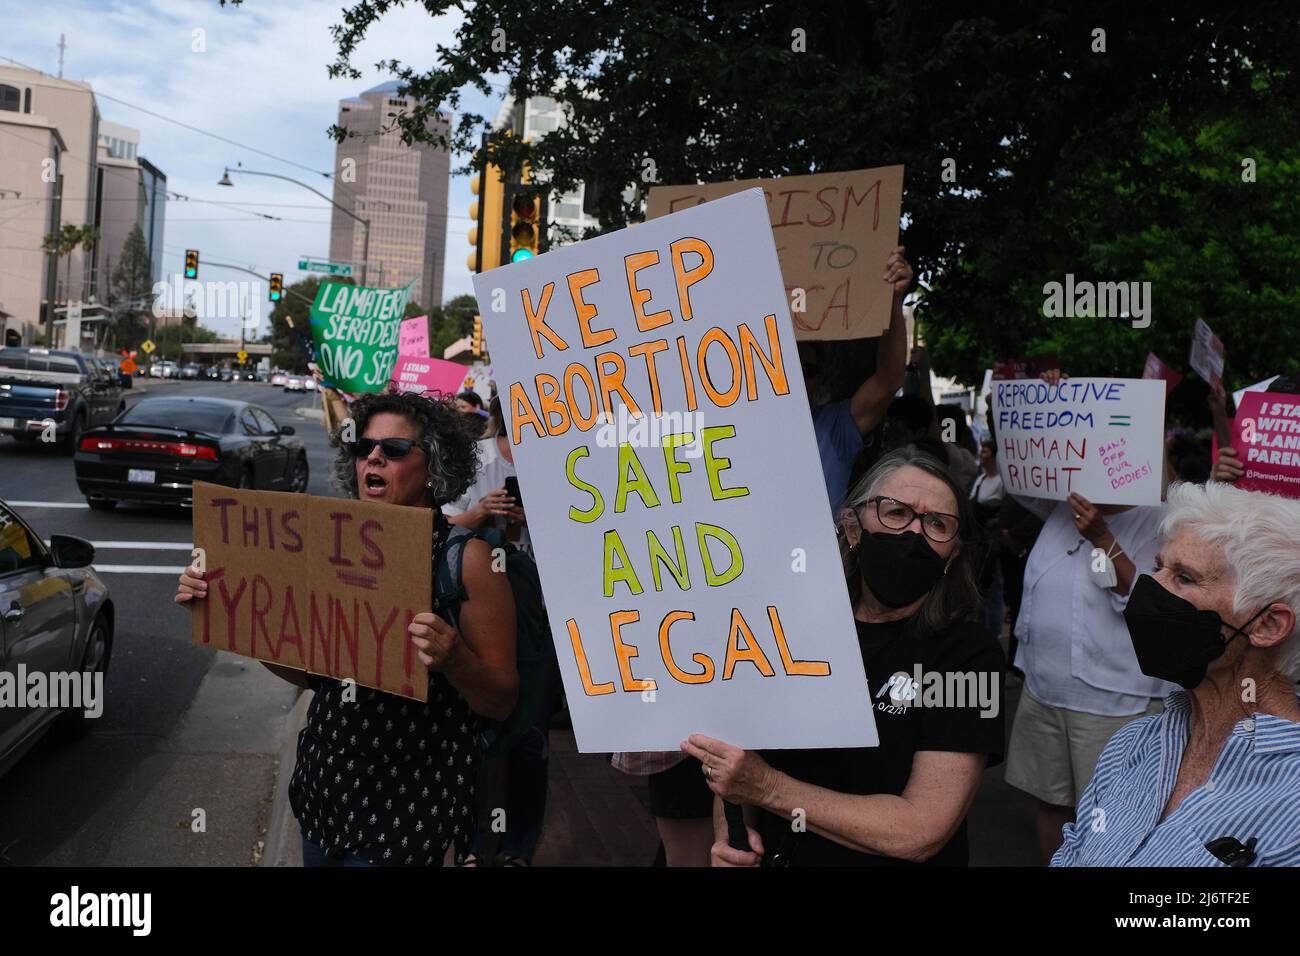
point(315, 414)
point(283, 837)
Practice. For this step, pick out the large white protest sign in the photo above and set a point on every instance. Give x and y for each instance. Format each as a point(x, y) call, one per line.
point(651, 388)
point(1101, 437)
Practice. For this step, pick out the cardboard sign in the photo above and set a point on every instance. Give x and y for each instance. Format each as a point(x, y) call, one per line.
point(1266, 434)
point(323, 585)
point(1101, 437)
point(427, 375)
point(1030, 366)
point(834, 232)
point(1208, 353)
point(356, 331)
point(1156, 369)
point(479, 380)
point(651, 387)
point(414, 337)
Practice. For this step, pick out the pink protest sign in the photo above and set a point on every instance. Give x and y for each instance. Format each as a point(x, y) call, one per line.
point(1266, 434)
point(1158, 369)
point(415, 337)
point(427, 375)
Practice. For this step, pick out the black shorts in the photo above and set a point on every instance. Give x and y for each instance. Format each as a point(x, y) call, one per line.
point(680, 792)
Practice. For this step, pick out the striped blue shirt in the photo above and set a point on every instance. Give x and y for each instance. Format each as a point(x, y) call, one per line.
point(1253, 790)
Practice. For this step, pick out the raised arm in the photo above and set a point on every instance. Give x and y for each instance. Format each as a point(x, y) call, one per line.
point(871, 400)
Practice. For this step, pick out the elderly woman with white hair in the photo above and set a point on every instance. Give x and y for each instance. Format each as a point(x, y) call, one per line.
point(1215, 779)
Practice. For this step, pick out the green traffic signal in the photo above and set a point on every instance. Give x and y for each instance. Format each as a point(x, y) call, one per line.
point(521, 254)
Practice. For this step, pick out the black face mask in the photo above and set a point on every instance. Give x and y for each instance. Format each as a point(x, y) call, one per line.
point(899, 568)
point(1174, 639)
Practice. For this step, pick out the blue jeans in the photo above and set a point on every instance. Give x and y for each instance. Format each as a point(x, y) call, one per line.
point(312, 855)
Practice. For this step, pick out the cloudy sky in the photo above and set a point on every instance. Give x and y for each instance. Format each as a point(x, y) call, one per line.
point(261, 81)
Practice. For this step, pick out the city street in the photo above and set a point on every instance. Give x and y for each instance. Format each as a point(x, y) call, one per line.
point(186, 728)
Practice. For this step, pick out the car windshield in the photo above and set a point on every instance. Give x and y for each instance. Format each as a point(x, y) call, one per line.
point(168, 413)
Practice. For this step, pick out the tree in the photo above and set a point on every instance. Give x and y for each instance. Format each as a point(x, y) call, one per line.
point(453, 321)
point(129, 288)
point(65, 241)
point(1035, 105)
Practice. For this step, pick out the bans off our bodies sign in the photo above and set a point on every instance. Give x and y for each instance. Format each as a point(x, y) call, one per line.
point(324, 585)
point(676, 504)
point(357, 331)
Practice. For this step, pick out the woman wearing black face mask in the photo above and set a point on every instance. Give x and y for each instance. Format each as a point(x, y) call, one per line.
point(1214, 779)
point(935, 678)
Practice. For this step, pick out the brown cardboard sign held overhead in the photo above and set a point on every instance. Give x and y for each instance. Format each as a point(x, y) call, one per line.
point(834, 233)
point(323, 585)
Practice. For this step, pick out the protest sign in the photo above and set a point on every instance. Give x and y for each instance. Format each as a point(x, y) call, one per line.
point(415, 337)
point(323, 585)
point(1156, 369)
point(356, 331)
point(1257, 387)
point(1266, 435)
point(427, 375)
point(1030, 366)
point(1207, 354)
point(833, 231)
point(479, 380)
point(651, 388)
point(1101, 437)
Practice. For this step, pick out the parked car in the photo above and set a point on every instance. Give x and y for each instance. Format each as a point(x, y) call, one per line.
point(41, 385)
point(213, 372)
point(263, 375)
point(227, 375)
point(158, 448)
point(279, 378)
point(56, 615)
point(190, 371)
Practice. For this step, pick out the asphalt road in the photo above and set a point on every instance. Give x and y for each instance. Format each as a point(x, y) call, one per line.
point(125, 794)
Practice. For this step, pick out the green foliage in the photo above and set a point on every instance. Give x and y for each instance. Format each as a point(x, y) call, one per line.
point(1121, 165)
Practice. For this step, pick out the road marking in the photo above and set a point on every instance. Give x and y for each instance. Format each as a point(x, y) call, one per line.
point(136, 569)
point(47, 504)
point(143, 545)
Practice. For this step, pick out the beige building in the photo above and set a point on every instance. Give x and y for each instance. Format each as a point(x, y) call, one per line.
point(43, 118)
point(401, 190)
point(56, 153)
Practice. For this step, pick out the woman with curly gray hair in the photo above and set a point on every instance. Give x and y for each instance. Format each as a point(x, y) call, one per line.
point(381, 780)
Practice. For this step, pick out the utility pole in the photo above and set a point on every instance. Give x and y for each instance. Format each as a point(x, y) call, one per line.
point(52, 260)
point(62, 46)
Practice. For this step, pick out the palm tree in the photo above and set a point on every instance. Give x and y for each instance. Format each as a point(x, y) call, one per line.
point(66, 240)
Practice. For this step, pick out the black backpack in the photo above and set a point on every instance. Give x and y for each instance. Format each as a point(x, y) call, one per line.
point(539, 671)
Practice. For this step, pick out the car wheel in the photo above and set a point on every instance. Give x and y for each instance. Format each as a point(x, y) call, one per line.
point(73, 438)
point(74, 723)
point(300, 475)
point(101, 504)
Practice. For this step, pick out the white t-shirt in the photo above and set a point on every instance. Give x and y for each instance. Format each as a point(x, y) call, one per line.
point(987, 490)
point(493, 470)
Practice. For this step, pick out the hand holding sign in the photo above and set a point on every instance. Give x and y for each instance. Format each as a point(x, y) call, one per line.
point(736, 775)
point(437, 643)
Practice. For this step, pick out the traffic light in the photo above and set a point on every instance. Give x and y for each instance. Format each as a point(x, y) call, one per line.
point(527, 220)
point(277, 286)
point(191, 263)
point(478, 336)
point(486, 212)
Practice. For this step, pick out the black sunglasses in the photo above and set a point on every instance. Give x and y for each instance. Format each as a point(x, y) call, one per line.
point(391, 447)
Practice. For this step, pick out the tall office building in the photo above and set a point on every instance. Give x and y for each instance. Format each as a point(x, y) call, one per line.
point(131, 192)
point(401, 190)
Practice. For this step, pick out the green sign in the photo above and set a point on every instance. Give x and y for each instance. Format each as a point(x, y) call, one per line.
point(330, 268)
point(356, 331)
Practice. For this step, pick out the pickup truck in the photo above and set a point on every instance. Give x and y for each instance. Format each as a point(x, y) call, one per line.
point(68, 388)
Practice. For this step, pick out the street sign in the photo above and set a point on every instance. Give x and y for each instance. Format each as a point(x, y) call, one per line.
point(127, 366)
point(242, 356)
point(330, 268)
point(148, 346)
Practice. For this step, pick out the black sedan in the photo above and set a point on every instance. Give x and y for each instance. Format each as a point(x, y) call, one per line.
point(155, 450)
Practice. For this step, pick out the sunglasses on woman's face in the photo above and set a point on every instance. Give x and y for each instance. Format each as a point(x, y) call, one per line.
point(391, 447)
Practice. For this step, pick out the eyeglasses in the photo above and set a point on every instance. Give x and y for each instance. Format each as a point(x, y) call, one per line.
point(896, 515)
point(391, 447)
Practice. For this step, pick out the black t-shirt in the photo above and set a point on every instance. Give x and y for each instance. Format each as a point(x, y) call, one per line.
point(943, 713)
